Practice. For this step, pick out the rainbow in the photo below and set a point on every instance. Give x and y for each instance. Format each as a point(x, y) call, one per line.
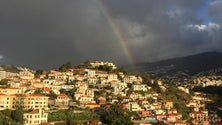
point(116, 29)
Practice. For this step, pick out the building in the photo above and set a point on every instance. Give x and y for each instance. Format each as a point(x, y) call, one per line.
point(10, 91)
point(139, 87)
point(35, 117)
point(31, 101)
point(26, 75)
point(199, 116)
point(168, 104)
point(34, 101)
point(62, 99)
point(133, 106)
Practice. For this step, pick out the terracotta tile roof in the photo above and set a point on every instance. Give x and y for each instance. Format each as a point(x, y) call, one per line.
point(62, 95)
point(34, 111)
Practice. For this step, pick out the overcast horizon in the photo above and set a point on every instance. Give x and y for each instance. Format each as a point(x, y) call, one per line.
point(45, 34)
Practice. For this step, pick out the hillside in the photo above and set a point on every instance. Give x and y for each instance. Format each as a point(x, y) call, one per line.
point(10, 68)
point(189, 65)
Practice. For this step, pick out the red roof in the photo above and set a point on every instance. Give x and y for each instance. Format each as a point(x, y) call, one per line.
point(197, 113)
point(62, 95)
point(92, 104)
point(2, 94)
point(34, 111)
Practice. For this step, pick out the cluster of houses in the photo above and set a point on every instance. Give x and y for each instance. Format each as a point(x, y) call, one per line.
point(208, 81)
point(93, 89)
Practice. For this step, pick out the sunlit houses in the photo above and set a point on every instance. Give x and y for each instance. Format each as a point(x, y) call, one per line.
point(35, 117)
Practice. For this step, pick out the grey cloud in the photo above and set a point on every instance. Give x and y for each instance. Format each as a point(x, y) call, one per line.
point(45, 34)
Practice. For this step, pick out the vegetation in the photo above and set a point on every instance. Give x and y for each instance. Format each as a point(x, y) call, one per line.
point(159, 123)
point(214, 93)
point(4, 82)
point(69, 93)
point(71, 118)
point(38, 73)
point(210, 90)
point(52, 95)
point(156, 87)
point(179, 98)
point(85, 64)
point(38, 91)
point(9, 117)
point(65, 66)
point(116, 115)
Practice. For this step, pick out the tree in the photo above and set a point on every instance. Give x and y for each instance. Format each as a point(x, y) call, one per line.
point(38, 73)
point(62, 90)
point(156, 87)
point(52, 95)
point(38, 91)
point(71, 92)
point(17, 115)
point(4, 82)
point(116, 115)
point(105, 67)
point(146, 78)
point(65, 66)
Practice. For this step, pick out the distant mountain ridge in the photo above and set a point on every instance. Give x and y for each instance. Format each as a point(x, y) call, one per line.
point(190, 65)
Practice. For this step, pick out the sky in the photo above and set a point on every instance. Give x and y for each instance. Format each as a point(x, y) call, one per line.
point(43, 34)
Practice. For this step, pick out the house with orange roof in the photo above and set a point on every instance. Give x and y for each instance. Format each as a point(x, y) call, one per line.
point(172, 111)
point(46, 90)
point(62, 100)
point(174, 117)
point(77, 95)
point(35, 117)
point(79, 77)
point(146, 113)
point(12, 77)
point(92, 105)
point(168, 104)
point(101, 100)
point(161, 117)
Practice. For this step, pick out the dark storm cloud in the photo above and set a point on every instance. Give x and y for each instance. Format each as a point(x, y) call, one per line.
point(162, 27)
point(48, 33)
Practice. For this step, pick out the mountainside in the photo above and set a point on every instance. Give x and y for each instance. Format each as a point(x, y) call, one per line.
point(10, 68)
point(189, 65)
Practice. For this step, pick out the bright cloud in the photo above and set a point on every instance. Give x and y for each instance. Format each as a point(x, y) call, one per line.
point(210, 27)
point(1, 57)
